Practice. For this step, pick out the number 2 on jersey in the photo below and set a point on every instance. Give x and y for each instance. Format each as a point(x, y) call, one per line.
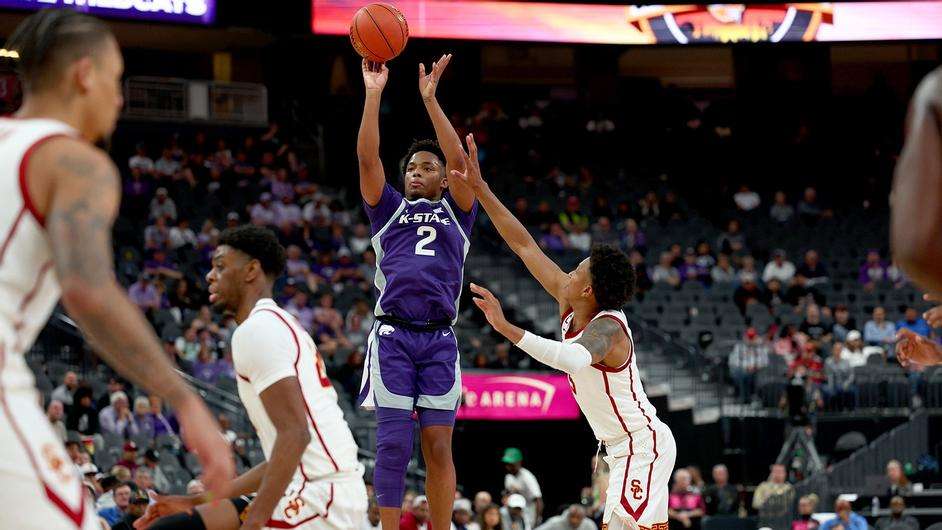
point(420, 249)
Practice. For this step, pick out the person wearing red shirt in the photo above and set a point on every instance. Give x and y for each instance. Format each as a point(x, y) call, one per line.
point(808, 366)
point(417, 518)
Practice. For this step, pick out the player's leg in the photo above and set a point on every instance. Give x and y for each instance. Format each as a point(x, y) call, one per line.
point(36, 475)
point(439, 383)
point(392, 389)
point(223, 515)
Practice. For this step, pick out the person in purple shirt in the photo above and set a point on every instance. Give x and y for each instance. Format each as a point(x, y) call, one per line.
point(206, 368)
point(556, 240)
point(144, 293)
point(690, 270)
point(872, 271)
point(421, 239)
point(299, 308)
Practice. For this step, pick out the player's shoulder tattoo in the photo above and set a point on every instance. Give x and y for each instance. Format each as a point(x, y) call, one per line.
point(599, 336)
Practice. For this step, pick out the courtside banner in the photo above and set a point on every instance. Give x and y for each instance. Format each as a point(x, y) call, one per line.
point(516, 396)
point(185, 11)
point(650, 24)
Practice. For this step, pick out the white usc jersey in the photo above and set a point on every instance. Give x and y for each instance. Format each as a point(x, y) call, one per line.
point(29, 289)
point(269, 346)
point(612, 399)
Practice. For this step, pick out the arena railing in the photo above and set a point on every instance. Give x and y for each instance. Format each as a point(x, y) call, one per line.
point(182, 100)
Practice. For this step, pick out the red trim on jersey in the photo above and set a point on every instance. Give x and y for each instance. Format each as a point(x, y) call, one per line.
point(24, 164)
point(310, 416)
point(76, 516)
point(570, 333)
point(275, 523)
point(242, 377)
point(11, 233)
point(35, 288)
point(604, 367)
point(565, 314)
point(647, 489)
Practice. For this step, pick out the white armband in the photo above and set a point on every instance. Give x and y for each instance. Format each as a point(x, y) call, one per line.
point(568, 357)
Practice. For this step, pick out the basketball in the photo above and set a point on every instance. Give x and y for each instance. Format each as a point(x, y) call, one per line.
point(379, 32)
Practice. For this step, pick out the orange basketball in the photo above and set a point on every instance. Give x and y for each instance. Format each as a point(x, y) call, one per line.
point(379, 32)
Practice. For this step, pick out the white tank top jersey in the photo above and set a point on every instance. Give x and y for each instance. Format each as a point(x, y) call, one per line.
point(612, 399)
point(269, 346)
point(29, 288)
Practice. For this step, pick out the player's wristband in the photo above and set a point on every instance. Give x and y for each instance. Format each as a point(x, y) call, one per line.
point(568, 357)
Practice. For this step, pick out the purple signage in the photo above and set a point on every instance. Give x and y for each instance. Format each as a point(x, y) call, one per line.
point(185, 11)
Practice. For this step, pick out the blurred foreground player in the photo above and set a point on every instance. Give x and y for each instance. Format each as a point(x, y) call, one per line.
point(916, 220)
point(58, 199)
point(311, 478)
point(421, 239)
point(597, 351)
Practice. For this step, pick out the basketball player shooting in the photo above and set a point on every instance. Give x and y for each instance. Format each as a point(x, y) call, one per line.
point(597, 351)
point(916, 219)
point(311, 478)
point(59, 195)
point(421, 240)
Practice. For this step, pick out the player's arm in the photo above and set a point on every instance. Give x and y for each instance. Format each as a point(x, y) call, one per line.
point(372, 176)
point(82, 195)
point(448, 138)
point(594, 346)
point(285, 407)
point(916, 218)
point(550, 276)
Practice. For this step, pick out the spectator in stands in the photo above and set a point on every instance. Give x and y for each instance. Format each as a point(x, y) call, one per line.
point(417, 517)
point(721, 497)
point(746, 200)
point(122, 498)
point(897, 520)
point(723, 271)
point(163, 206)
point(579, 239)
point(732, 241)
point(843, 323)
point(128, 461)
point(899, 482)
point(809, 210)
point(461, 516)
point(603, 234)
point(141, 161)
point(287, 213)
point(143, 425)
point(556, 239)
point(895, 275)
point(106, 499)
point(812, 272)
point(690, 271)
point(665, 272)
point(779, 268)
point(165, 424)
point(781, 212)
point(512, 515)
point(143, 479)
point(853, 350)
point(489, 518)
point(157, 235)
point(166, 166)
point(521, 481)
point(572, 216)
point(189, 345)
point(879, 331)
point(136, 507)
point(63, 393)
point(574, 518)
point(696, 478)
point(328, 326)
point(774, 296)
point(161, 266)
point(482, 501)
point(360, 240)
point(705, 258)
point(747, 268)
point(182, 235)
point(846, 518)
point(808, 367)
point(632, 238)
point(813, 326)
point(747, 293)
point(75, 451)
point(151, 461)
point(840, 390)
point(872, 271)
point(806, 507)
point(775, 487)
point(55, 412)
point(685, 507)
point(117, 418)
point(206, 368)
point(913, 321)
point(749, 355)
point(144, 293)
point(263, 213)
point(82, 415)
point(300, 309)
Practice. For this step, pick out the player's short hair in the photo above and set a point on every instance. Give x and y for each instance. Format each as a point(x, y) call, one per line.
point(613, 276)
point(422, 145)
point(50, 40)
point(258, 243)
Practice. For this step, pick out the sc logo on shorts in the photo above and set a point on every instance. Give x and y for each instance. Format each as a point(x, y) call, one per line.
point(636, 490)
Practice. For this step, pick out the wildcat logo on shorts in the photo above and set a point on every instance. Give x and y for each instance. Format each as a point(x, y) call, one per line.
point(386, 329)
point(636, 490)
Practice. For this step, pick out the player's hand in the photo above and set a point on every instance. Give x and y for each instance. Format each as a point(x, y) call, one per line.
point(472, 166)
point(162, 506)
point(374, 75)
point(202, 435)
point(429, 82)
point(490, 306)
point(912, 348)
point(253, 521)
point(934, 315)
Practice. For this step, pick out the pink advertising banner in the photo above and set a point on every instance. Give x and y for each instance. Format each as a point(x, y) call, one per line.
point(516, 396)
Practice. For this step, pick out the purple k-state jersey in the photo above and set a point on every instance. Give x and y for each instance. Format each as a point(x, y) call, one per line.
point(420, 249)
